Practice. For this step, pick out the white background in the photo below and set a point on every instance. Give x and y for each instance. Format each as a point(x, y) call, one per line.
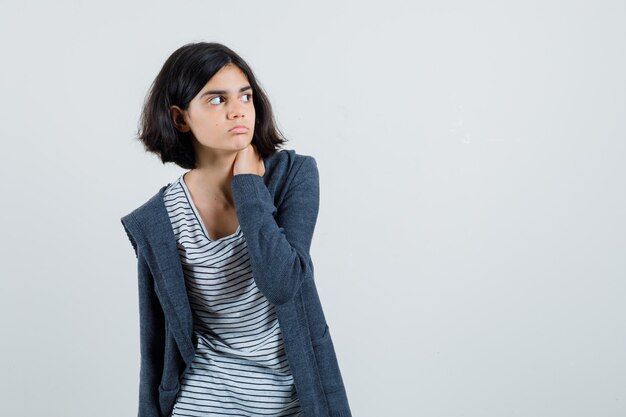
point(470, 251)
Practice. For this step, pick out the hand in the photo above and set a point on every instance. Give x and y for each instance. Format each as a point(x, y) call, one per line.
point(248, 161)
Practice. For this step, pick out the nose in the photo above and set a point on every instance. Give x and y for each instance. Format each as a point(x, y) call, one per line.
point(235, 110)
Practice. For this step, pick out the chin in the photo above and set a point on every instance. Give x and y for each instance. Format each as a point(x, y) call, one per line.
point(243, 142)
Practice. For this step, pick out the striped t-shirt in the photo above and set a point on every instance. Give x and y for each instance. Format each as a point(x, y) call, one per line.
point(240, 367)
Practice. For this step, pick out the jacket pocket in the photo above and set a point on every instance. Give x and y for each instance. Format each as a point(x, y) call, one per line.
point(167, 398)
point(327, 362)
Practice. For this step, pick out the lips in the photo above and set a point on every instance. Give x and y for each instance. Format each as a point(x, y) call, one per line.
point(239, 129)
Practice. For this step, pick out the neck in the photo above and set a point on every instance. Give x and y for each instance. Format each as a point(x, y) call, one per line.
point(212, 176)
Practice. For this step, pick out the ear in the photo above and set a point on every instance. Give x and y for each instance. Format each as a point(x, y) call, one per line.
point(178, 117)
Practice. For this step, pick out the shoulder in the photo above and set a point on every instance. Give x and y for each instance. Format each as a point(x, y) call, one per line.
point(151, 212)
point(289, 173)
point(150, 206)
point(285, 165)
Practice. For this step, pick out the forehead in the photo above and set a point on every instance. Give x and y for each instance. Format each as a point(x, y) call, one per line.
point(229, 74)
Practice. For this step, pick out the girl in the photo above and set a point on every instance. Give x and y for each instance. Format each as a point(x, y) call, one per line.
point(230, 319)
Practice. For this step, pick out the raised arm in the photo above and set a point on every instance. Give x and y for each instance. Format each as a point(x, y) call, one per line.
point(279, 247)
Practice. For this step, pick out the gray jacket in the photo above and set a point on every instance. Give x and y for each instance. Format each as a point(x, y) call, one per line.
point(277, 213)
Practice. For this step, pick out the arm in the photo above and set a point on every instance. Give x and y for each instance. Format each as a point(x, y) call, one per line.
point(279, 248)
point(151, 342)
point(151, 336)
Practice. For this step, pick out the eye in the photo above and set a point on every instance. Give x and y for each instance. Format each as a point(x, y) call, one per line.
point(248, 97)
point(212, 101)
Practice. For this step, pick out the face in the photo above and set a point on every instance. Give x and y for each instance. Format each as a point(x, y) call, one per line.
point(221, 116)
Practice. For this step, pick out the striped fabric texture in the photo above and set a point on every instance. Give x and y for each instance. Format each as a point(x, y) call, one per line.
point(240, 367)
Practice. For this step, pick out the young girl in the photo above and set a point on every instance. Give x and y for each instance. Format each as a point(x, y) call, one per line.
point(230, 319)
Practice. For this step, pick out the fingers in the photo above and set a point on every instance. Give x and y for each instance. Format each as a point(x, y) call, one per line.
point(248, 160)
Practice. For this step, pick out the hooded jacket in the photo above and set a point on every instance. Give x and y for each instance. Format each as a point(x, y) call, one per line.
point(277, 213)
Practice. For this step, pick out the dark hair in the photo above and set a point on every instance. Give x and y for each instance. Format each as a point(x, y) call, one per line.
point(183, 75)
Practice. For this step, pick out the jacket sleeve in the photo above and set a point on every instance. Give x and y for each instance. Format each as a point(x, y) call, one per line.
point(279, 247)
point(151, 336)
point(151, 342)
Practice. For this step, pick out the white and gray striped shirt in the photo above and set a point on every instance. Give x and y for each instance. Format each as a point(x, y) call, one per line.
point(240, 367)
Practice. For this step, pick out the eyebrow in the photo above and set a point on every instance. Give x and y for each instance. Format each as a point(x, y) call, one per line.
point(223, 91)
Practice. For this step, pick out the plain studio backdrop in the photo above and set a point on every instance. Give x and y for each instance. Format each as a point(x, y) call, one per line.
point(470, 250)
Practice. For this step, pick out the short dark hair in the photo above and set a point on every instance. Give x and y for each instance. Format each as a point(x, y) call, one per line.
point(183, 75)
